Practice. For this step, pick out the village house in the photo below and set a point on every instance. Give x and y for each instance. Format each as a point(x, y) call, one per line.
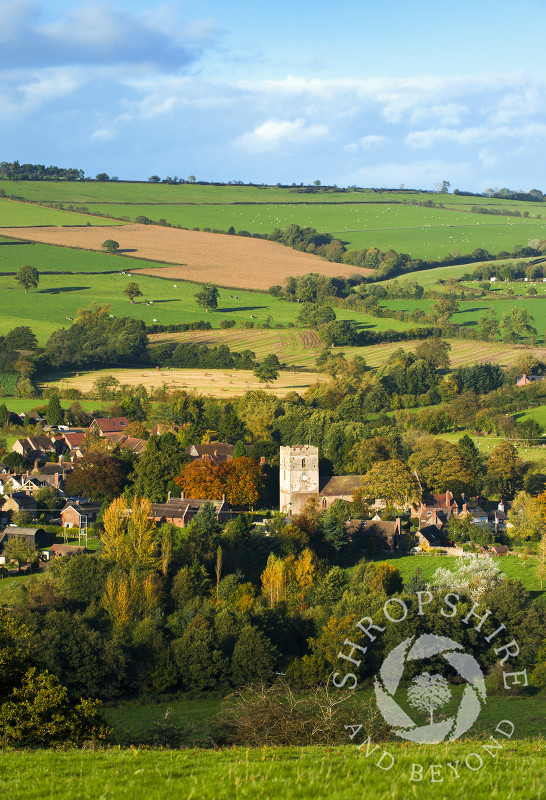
point(34, 448)
point(385, 533)
point(102, 425)
point(18, 501)
point(76, 514)
point(217, 452)
point(525, 380)
point(180, 511)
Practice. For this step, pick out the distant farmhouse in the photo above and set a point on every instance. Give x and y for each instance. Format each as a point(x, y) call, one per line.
point(300, 480)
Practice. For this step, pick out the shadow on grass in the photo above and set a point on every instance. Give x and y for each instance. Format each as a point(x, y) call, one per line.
point(60, 289)
point(239, 308)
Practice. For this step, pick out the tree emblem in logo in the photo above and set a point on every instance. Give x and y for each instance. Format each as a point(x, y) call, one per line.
point(429, 692)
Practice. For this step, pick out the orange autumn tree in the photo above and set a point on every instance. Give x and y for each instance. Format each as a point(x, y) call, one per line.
point(241, 480)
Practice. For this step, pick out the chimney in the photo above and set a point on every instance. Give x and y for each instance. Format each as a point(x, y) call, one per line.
point(501, 506)
point(168, 497)
point(182, 495)
point(36, 465)
point(398, 524)
point(56, 479)
point(61, 459)
point(215, 453)
point(465, 508)
point(449, 497)
point(223, 498)
point(262, 461)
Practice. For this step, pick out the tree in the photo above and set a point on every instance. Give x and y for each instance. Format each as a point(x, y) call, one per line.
point(392, 481)
point(54, 413)
point(268, 369)
point(504, 473)
point(4, 415)
point(27, 277)
point(429, 692)
point(21, 518)
point(110, 245)
point(154, 178)
point(160, 464)
point(21, 338)
point(129, 535)
point(434, 350)
point(20, 551)
point(207, 297)
point(132, 290)
point(102, 176)
point(254, 657)
point(98, 475)
point(49, 497)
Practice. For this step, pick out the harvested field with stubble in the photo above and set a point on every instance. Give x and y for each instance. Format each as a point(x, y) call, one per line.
point(231, 261)
point(209, 382)
point(296, 348)
point(300, 347)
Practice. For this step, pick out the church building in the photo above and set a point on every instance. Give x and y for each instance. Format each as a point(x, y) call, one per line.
point(300, 480)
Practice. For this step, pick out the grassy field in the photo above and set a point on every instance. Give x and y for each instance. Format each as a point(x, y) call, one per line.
point(13, 213)
point(295, 773)
point(512, 566)
point(50, 258)
point(424, 232)
point(488, 443)
point(60, 296)
point(361, 219)
point(471, 311)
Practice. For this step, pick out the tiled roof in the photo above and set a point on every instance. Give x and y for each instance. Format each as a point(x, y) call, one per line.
point(340, 485)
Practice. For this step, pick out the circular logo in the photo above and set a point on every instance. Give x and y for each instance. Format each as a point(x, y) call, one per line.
point(429, 692)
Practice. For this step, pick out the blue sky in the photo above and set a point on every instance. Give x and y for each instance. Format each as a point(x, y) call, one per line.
point(366, 93)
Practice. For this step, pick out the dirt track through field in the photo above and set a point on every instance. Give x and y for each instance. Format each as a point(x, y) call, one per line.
point(232, 261)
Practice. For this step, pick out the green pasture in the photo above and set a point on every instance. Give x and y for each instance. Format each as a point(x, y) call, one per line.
point(185, 720)
point(14, 214)
point(524, 569)
point(52, 258)
point(471, 310)
point(295, 773)
point(487, 444)
point(146, 192)
point(60, 296)
point(424, 232)
point(499, 289)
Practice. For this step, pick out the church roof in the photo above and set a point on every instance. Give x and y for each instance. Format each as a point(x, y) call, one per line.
point(339, 485)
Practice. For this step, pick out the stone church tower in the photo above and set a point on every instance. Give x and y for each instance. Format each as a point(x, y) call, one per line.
point(299, 477)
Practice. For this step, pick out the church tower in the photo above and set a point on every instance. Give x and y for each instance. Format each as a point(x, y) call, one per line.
point(299, 477)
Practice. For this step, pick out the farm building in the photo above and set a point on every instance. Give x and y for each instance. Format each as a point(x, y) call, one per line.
point(36, 537)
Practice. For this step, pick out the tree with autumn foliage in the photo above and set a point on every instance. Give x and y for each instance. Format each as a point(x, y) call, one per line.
point(129, 537)
point(241, 480)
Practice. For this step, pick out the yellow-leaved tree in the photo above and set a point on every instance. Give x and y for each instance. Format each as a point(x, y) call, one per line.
point(129, 536)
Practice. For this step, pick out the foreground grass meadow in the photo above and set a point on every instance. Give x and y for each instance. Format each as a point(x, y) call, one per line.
point(298, 773)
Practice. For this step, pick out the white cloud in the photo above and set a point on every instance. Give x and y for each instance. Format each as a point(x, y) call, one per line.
point(104, 134)
point(274, 133)
point(469, 136)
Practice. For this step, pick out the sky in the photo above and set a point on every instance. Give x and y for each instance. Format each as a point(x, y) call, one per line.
point(349, 93)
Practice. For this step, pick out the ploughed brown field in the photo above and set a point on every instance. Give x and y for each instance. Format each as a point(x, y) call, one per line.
point(231, 261)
